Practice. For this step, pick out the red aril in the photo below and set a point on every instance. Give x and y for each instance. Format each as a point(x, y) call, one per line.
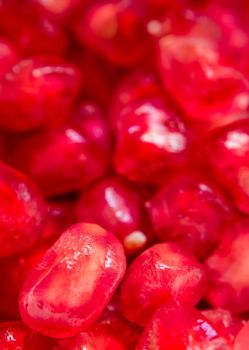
point(94, 338)
point(68, 158)
point(233, 35)
point(242, 339)
point(16, 336)
point(134, 87)
point(16, 269)
point(13, 335)
point(114, 28)
point(37, 92)
point(115, 204)
point(181, 327)
point(225, 322)
point(22, 212)
point(164, 273)
point(31, 32)
point(212, 94)
point(74, 281)
point(110, 332)
point(227, 270)
point(228, 154)
point(8, 56)
point(59, 8)
point(190, 210)
point(151, 140)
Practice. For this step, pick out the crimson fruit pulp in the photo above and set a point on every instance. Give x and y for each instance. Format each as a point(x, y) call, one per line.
point(36, 93)
point(84, 251)
point(161, 274)
point(114, 204)
point(227, 270)
point(242, 340)
point(65, 159)
point(151, 140)
point(228, 151)
point(12, 335)
point(22, 213)
point(111, 28)
point(190, 210)
point(182, 327)
point(124, 175)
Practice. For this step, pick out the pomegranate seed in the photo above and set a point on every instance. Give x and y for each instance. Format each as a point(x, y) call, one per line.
point(8, 56)
point(112, 29)
point(114, 204)
point(58, 8)
point(132, 88)
point(12, 335)
point(31, 32)
point(162, 273)
point(16, 336)
point(242, 339)
point(131, 115)
point(83, 252)
point(16, 270)
point(37, 92)
point(150, 141)
point(190, 210)
point(110, 332)
point(22, 212)
point(95, 337)
point(224, 321)
point(212, 93)
point(233, 37)
point(59, 218)
point(175, 327)
point(227, 270)
point(68, 158)
point(228, 152)
point(113, 320)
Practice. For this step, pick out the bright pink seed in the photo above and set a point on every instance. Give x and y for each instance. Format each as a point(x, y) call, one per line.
point(225, 322)
point(13, 335)
point(190, 210)
point(212, 94)
point(114, 204)
point(30, 30)
point(227, 270)
point(113, 28)
point(22, 212)
point(73, 282)
point(37, 92)
point(162, 274)
point(242, 339)
point(151, 140)
point(228, 153)
point(68, 158)
point(181, 327)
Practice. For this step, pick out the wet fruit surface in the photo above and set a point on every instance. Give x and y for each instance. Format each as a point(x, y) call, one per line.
point(114, 204)
point(189, 209)
point(22, 212)
point(151, 139)
point(83, 251)
point(227, 270)
point(162, 274)
point(124, 175)
point(181, 327)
